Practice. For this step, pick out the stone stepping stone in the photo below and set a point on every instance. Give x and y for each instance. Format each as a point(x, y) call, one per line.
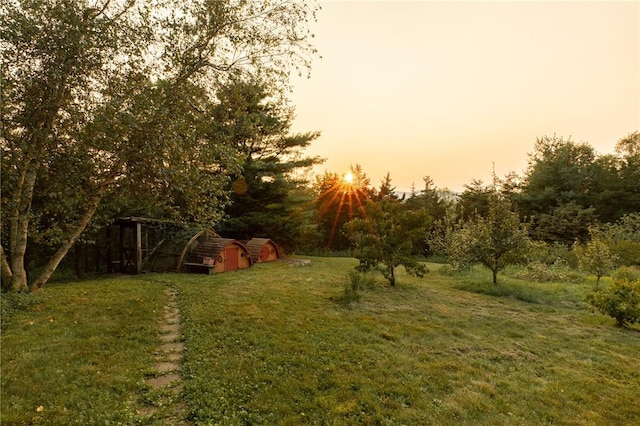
point(171, 337)
point(166, 367)
point(164, 381)
point(171, 347)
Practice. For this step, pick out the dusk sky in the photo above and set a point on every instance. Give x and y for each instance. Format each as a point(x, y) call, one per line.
point(446, 89)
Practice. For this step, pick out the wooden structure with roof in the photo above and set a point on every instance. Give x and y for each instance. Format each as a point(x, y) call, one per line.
point(263, 250)
point(217, 255)
point(174, 251)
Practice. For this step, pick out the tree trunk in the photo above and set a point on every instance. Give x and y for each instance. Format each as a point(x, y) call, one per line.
point(495, 276)
point(21, 200)
point(6, 271)
point(392, 279)
point(62, 251)
point(20, 216)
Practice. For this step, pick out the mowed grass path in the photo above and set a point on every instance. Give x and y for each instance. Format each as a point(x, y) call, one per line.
point(275, 345)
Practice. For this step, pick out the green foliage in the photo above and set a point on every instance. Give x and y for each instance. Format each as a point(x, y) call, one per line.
point(551, 253)
point(595, 256)
point(383, 240)
point(621, 301)
point(545, 273)
point(496, 240)
point(626, 273)
point(568, 187)
point(434, 204)
point(113, 102)
point(264, 200)
point(623, 237)
point(356, 282)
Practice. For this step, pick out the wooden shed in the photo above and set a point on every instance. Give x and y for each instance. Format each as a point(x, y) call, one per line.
point(263, 250)
point(217, 255)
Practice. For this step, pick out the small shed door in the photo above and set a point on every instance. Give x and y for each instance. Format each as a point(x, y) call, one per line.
point(232, 258)
point(264, 253)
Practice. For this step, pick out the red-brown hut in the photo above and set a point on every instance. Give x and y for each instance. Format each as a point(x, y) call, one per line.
point(218, 255)
point(263, 250)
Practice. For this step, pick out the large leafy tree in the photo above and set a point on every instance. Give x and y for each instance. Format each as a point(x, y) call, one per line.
point(103, 96)
point(568, 187)
point(263, 203)
point(628, 155)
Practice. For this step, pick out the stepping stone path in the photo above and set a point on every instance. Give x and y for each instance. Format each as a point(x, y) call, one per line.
point(167, 378)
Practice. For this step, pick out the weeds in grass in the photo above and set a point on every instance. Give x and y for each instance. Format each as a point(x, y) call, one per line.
point(12, 303)
point(354, 283)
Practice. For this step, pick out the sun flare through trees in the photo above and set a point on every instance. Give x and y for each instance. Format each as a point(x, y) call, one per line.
point(341, 198)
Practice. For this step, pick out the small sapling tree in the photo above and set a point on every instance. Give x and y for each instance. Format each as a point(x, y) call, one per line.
point(383, 239)
point(496, 240)
point(595, 256)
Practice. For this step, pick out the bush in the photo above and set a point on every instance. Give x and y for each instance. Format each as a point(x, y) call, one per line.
point(551, 254)
point(626, 273)
point(620, 301)
point(543, 273)
point(628, 252)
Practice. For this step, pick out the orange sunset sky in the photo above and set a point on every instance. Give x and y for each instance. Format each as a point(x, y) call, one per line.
point(447, 89)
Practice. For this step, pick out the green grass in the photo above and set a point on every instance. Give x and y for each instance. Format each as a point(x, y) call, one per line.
point(276, 344)
point(80, 353)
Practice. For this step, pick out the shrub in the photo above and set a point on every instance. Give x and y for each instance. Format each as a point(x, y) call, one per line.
point(551, 254)
point(626, 273)
point(628, 251)
point(620, 301)
point(543, 273)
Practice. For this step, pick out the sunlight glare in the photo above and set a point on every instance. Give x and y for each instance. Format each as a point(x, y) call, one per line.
point(348, 178)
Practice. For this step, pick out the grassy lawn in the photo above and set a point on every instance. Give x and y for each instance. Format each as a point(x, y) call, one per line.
point(275, 344)
point(77, 357)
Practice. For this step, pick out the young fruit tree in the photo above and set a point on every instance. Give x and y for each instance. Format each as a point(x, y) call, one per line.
point(495, 240)
point(595, 256)
point(383, 239)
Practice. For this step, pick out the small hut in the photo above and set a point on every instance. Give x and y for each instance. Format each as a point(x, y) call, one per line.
point(177, 248)
point(263, 250)
point(217, 255)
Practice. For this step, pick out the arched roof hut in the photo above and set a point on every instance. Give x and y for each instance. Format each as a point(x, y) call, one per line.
point(263, 250)
point(175, 251)
point(217, 255)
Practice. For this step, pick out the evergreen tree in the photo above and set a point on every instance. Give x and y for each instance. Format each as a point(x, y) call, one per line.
point(250, 120)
